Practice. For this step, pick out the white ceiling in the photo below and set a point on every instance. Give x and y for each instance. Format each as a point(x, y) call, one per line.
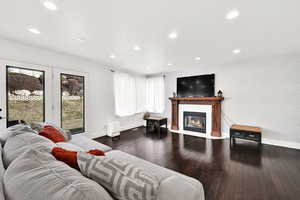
point(264, 28)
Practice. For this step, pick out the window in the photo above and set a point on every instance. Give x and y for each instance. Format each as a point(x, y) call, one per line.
point(134, 94)
point(72, 103)
point(25, 95)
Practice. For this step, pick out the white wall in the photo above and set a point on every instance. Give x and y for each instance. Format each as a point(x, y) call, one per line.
point(263, 93)
point(99, 97)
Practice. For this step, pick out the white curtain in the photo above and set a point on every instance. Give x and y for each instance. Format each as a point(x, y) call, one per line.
point(125, 94)
point(136, 94)
point(155, 94)
point(140, 83)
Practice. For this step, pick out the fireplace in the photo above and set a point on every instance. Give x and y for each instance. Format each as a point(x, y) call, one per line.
point(194, 121)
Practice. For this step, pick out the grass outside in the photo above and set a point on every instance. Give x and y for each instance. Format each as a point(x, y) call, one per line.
point(32, 111)
point(72, 114)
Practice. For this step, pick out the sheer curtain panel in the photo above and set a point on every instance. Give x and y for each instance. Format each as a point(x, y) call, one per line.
point(155, 94)
point(125, 94)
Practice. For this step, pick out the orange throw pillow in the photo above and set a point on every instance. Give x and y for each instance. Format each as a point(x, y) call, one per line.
point(96, 152)
point(70, 157)
point(52, 134)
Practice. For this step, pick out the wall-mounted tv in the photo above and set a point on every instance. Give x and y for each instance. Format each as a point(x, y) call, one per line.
point(196, 86)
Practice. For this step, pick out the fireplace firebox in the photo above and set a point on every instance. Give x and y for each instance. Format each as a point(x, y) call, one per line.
point(194, 121)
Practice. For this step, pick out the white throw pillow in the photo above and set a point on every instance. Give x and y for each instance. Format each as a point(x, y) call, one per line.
point(18, 144)
point(69, 146)
point(38, 176)
point(176, 188)
point(123, 180)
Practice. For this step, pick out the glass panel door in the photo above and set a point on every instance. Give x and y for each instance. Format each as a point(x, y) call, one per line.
point(25, 95)
point(2, 96)
point(72, 103)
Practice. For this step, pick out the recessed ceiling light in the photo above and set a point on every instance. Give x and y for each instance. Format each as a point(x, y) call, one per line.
point(34, 31)
point(232, 14)
point(112, 56)
point(170, 64)
point(50, 5)
point(173, 35)
point(197, 58)
point(137, 48)
point(236, 51)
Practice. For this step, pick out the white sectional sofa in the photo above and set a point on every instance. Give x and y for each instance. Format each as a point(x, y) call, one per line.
point(30, 172)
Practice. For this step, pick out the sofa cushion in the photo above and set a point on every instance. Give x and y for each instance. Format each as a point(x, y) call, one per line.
point(37, 175)
point(160, 172)
point(69, 146)
point(124, 180)
point(87, 144)
point(14, 130)
point(16, 145)
point(177, 188)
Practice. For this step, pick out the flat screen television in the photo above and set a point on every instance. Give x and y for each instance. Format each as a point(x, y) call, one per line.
point(196, 86)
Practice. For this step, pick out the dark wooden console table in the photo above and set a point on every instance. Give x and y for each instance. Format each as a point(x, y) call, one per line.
point(245, 132)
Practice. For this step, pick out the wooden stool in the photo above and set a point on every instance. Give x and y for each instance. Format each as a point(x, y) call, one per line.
point(156, 122)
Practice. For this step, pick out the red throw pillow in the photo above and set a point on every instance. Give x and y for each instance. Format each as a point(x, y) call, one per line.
point(96, 152)
point(70, 157)
point(52, 134)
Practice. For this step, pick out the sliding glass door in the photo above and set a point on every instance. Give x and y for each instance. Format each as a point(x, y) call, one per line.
point(72, 103)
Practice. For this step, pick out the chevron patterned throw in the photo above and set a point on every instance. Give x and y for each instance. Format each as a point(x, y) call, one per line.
point(123, 180)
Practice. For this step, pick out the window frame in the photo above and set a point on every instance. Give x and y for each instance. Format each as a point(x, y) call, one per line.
point(44, 95)
point(61, 103)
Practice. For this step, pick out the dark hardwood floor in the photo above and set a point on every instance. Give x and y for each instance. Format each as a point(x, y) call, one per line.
point(227, 174)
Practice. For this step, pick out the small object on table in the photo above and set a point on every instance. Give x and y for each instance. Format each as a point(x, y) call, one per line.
point(146, 115)
point(220, 93)
point(156, 122)
point(252, 133)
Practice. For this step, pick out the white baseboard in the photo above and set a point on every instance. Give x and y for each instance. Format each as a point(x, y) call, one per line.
point(281, 143)
point(131, 126)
